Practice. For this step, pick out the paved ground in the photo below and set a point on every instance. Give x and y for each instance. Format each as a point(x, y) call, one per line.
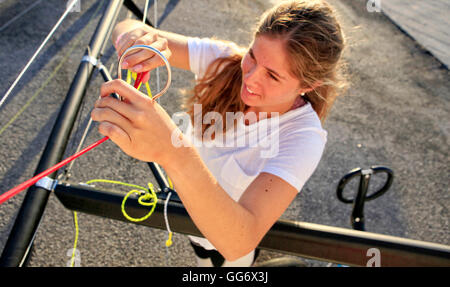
point(425, 21)
point(395, 114)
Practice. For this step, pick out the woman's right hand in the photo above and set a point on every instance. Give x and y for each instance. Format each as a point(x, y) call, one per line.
point(130, 33)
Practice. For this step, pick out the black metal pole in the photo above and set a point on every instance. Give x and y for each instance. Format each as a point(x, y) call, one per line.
point(332, 244)
point(23, 232)
point(136, 11)
point(160, 179)
point(357, 218)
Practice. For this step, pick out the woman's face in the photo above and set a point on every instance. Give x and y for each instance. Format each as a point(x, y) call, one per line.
point(268, 84)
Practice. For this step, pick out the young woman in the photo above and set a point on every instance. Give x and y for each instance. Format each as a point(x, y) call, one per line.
point(235, 192)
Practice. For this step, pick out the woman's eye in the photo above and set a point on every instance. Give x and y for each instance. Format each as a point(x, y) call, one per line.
point(273, 77)
point(250, 53)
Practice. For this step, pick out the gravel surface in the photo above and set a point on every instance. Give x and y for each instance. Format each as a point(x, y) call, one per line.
point(395, 113)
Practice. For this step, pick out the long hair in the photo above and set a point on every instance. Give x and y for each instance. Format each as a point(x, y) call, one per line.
point(314, 43)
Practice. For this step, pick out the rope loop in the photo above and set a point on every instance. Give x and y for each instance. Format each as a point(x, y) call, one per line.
point(147, 197)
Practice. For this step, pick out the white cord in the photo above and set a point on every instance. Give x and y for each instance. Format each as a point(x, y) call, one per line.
point(156, 27)
point(168, 228)
point(147, 2)
point(69, 8)
point(165, 212)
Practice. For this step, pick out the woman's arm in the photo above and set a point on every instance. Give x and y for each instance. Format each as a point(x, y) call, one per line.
point(234, 228)
point(132, 32)
point(143, 130)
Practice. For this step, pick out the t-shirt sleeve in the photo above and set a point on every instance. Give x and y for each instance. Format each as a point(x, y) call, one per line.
point(202, 52)
point(298, 156)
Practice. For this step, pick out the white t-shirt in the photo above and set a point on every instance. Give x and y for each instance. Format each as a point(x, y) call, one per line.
point(289, 146)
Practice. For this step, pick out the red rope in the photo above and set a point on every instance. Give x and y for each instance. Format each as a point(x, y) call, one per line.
point(7, 195)
point(139, 78)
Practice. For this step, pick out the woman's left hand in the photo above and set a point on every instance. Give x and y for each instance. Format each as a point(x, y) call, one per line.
point(138, 125)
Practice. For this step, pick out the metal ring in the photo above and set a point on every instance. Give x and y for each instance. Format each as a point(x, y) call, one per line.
point(387, 185)
point(343, 182)
point(157, 52)
point(358, 171)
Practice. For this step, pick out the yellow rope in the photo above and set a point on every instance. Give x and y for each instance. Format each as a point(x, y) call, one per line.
point(128, 77)
point(117, 182)
point(133, 75)
point(75, 220)
point(169, 240)
point(143, 199)
point(146, 196)
point(170, 183)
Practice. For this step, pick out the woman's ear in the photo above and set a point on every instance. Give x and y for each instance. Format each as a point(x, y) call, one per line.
point(303, 91)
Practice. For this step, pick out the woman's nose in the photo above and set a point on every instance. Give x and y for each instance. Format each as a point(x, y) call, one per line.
point(251, 76)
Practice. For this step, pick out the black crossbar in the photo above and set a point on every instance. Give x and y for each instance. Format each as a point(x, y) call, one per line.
point(332, 244)
point(136, 11)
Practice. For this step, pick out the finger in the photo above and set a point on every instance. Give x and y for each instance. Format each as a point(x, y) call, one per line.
point(153, 62)
point(128, 40)
point(127, 92)
point(109, 115)
point(124, 109)
point(146, 60)
point(115, 133)
point(116, 44)
point(137, 56)
point(133, 60)
point(125, 42)
point(147, 39)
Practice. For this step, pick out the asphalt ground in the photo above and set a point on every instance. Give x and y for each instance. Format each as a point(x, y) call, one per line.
point(395, 113)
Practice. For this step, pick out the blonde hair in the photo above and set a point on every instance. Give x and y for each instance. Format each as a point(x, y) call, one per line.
point(314, 43)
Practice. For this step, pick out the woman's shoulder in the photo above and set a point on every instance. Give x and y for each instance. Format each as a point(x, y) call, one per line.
point(203, 51)
point(303, 120)
point(216, 46)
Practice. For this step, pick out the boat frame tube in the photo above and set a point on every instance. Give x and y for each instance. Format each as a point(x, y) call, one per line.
point(308, 240)
point(29, 216)
point(314, 241)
